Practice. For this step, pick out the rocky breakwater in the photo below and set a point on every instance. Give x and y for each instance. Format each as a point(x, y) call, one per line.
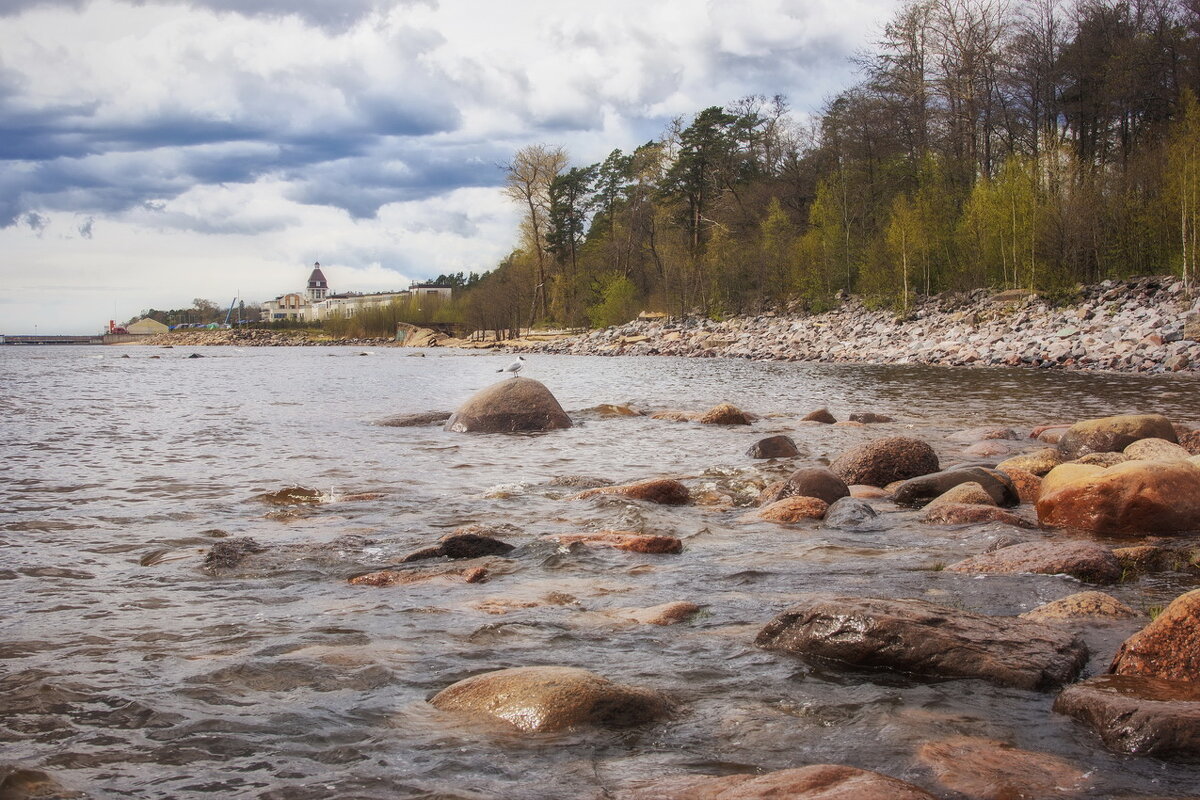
point(256, 337)
point(1143, 325)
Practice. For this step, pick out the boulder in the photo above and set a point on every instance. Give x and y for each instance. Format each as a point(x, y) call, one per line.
point(816, 482)
point(724, 414)
point(1190, 441)
point(793, 509)
point(1113, 434)
point(613, 410)
point(624, 540)
point(664, 614)
point(1102, 460)
point(969, 493)
point(1156, 450)
point(1039, 462)
point(1137, 715)
point(986, 768)
point(1086, 561)
point(882, 461)
point(780, 446)
point(1137, 497)
point(967, 514)
point(508, 406)
point(1081, 605)
point(229, 553)
point(916, 492)
point(1028, 485)
point(462, 545)
point(922, 638)
point(384, 578)
point(21, 783)
point(1141, 559)
point(853, 514)
point(676, 416)
point(814, 782)
point(534, 699)
point(1068, 473)
point(1169, 647)
point(821, 415)
point(663, 491)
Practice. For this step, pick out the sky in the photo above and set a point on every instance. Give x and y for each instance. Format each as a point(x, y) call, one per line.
point(156, 151)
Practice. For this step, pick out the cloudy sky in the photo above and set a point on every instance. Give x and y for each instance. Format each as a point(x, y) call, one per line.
point(154, 151)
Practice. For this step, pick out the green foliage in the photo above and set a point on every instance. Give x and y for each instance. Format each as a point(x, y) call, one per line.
point(618, 301)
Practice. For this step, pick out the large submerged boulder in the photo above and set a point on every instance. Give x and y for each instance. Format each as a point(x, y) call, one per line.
point(1137, 715)
point(1136, 497)
point(922, 638)
point(1086, 561)
point(553, 698)
point(508, 406)
point(1113, 434)
point(814, 782)
point(816, 482)
point(882, 461)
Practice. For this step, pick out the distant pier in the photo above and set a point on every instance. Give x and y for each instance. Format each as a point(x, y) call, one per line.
point(107, 338)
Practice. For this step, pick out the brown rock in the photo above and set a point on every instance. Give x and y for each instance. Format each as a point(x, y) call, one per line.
point(1102, 460)
point(988, 449)
point(780, 446)
point(1050, 434)
point(882, 461)
point(1028, 485)
point(390, 577)
point(663, 491)
point(292, 496)
point(821, 415)
point(1068, 473)
point(475, 575)
point(1137, 715)
point(507, 406)
point(19, 783)
point(869, 417)
point(611, 410)
point(1081, 604)
point(1169, 647)
point(553, 698)
point(1156, 450)
point(1039, 462)
point(676, 416)
point(816, 482)
point(461, 545)
point(868, 492)
point(794, 509)
point(961, 514)
point(665, 614)
point(921, 638)
point(969, 493)
point(1137, 497)
point(1145, 558)
point(985, 768)
point(815, 782)
point(1113, 434)
point(724, 414)
point(1086, 561)
point(624, 540)
point(416, 420)
point(1190, 441)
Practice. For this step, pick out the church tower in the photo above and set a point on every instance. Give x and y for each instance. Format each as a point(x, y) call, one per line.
point(317, 288)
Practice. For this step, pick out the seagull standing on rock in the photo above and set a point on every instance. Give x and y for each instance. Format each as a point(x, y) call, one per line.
point(515, 366)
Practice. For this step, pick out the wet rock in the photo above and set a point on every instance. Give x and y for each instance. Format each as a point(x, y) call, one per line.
point(1137, 715)
point(291, 496)
point(821, 415)
point(1039, 462)
point(384, 578)
point(508, 406)
point(921, 638)
point(1142, 559)
point(612, 410)
point(869, 417)
point(879, 462)
point(579, 481)
point(1050, 434)
point(916, 492)
point(966, 514)
point(1190, 441)
point(1068, 473)
point(864, 492)
point(1086, 561)
point(229, 553)
point(793, 509)
point(815, 782)
point(987, 449)
point(1156, 450)
point(20, 783)
point(416, 420)
point(1137, 497)
point(1169, 647)
point(663, 491)
point(724, 414)
point(1028, 485)
point(853, 514)
point(462, 545)
point(985, 768)
point(1103, 460)
point(624, 540)
point(969, 493)
point(476, 575)
point(1081, 605)
point(1113, 434)
point(676, 416)
point(664, 614)
point(816, 482)
point(780, 446)
point(535, 699)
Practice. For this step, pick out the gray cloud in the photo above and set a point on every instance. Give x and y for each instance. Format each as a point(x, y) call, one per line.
point(329, 14)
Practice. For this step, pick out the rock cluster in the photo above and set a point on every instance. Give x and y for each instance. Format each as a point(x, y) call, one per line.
point(1127, 326)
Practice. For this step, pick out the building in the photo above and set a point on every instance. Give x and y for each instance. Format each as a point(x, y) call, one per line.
point(146, 326)
point(318, 303)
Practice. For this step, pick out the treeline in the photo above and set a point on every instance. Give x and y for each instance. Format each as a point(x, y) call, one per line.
point(1000, 143)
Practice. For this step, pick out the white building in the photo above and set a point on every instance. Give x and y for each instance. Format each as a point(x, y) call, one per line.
point(318, 303)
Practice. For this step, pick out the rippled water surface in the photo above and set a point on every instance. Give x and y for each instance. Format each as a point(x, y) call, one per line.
point(128, 669)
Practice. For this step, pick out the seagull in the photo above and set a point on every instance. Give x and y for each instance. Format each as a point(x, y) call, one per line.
point(515, 366)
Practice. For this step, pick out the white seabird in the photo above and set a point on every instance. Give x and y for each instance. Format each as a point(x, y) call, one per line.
point(515, 366)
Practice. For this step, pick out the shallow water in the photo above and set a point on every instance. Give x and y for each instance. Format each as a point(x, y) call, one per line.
point(126, 668)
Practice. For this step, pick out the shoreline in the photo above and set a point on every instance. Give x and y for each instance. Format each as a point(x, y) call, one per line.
point(1140, 325)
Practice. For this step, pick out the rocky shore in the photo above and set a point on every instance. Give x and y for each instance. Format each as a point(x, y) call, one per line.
point(1141, 325)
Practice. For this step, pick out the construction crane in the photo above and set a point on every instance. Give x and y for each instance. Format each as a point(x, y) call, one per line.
point(229, 313)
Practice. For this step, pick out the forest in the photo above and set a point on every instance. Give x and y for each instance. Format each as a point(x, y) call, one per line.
point(1032, 144)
